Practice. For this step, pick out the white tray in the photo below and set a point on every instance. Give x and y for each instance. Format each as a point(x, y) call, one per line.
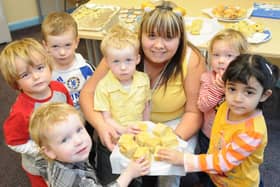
point(119, 162)
point(93, 17)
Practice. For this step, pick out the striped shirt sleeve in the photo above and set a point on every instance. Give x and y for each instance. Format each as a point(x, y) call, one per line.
point(209, 94)
point(230, 156)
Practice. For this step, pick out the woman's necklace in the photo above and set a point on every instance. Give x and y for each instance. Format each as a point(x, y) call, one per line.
point(157, 79)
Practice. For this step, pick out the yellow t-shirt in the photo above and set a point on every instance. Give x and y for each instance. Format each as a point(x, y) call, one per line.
point(125, 106)
point(169, 104)
point(247, 173)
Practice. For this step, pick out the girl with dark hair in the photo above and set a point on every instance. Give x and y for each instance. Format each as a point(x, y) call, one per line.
point(239, 134)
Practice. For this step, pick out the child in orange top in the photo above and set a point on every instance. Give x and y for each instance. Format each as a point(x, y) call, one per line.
point(239, 134)
point(224, 47)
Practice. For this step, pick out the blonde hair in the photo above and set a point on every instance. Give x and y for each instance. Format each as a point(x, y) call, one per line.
point(46, 117)
point(23, 49)
point(235, 38)
point(119, 37)
point(57, 23)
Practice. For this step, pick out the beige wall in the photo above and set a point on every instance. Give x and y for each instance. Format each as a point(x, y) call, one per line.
point(16, 10)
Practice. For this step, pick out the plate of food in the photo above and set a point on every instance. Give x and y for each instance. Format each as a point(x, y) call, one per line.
point(228, 13)
point(255, 32)
point(201, 30)
point(95, 17)
point(146, 143)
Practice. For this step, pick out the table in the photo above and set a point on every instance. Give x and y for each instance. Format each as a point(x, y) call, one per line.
point(268, 49)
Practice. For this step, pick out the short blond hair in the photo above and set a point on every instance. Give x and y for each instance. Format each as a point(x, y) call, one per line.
point(57, 23)
point(46, 117)
point(23, 49)
point(119, 37)
point(235, 38)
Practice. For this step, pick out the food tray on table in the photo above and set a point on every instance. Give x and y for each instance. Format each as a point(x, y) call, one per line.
point(119, 161)
point(255, 32)
point(95, 17)
point(228, 13)
point(200, 30)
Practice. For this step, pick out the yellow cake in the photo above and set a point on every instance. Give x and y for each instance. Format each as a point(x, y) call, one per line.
point(142, 152)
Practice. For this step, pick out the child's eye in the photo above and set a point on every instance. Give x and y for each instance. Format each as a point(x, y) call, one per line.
point(41, 67)
point(231, 89)
point(68, 45)
point(116, 61)
point(80, 129)
point(64, 140)
point(55, 46)
point(250, 92)
point(23, 75)
point(215, 54)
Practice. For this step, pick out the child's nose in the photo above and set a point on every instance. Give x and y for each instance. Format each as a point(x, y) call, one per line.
point(35, 75)
point(77, 140)
point(238, 97)
point(62, 51)
point(123, 65)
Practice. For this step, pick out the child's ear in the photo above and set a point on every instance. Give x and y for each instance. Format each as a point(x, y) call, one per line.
point(48, 151)
point(45, 44)
point(138, 59)
point(77, 42)
point(266, 95)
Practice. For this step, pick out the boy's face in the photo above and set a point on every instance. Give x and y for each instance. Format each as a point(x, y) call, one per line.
point(221, 56)
point(62, 47)
point(122, 63)
point(68, 141)
point(34, 79)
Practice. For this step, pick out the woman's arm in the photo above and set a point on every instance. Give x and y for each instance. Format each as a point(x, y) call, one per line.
point(192, 119)
point(105, 132)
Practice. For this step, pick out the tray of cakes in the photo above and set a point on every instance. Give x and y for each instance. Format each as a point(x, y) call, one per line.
point(228, 13)
point(95, 17)
point(152, 138)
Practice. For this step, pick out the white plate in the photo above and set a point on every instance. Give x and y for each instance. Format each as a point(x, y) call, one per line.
point(119, 162)
point(209, 12)
point(258, 37)
point(209, 28)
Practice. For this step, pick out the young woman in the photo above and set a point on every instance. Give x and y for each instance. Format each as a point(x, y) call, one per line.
point(174, 67)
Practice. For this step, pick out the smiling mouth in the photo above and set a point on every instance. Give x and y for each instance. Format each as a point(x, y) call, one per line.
point(82, 150)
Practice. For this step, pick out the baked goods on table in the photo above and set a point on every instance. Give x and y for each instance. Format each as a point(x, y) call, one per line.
point(255, 32)
point(195, 27)
point(229, 12)
point(95, 17)
point(247, 28)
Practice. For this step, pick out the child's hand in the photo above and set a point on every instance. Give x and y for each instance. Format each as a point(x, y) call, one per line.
point(218, 80)
point(138, 168)
point(135, 169)
point(171, 156)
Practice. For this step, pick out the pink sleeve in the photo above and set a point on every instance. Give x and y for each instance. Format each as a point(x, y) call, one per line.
point(209, 94)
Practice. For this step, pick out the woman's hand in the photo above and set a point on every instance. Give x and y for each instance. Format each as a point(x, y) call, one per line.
point(108, 136)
